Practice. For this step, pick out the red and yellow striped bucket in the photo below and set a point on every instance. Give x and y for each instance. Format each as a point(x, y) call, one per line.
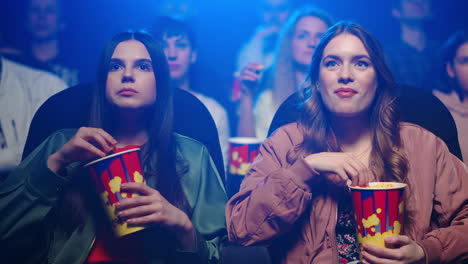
point(108, 174)
point(378, 210)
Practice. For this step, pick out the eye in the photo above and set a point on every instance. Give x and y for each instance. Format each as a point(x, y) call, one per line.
point(144, 67)
point(181, 45)
point(361, 64)
point(115, 67)
point(331, 64)
point(302, 35)
point(462, 60)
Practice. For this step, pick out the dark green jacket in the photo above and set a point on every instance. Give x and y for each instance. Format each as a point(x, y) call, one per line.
point(33, 229)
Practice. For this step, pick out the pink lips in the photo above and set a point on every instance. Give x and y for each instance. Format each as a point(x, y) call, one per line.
point(174, 67)
point(127, 92)
point(345, 92)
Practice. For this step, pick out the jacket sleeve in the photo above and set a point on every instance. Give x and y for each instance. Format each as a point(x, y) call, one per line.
point(28, 196)
point(448, 243)
point(272, 196)
point(207, 214)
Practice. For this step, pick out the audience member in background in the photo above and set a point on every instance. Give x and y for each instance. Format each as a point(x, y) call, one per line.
point(412, 58)
point(184, 10)
point(22, 91)
point(453, 91)
point(261, 97)
point(45, 23)
point(180, 48)
point(260, 47)
point(296, 198)
point(58, 207)
point(7, 49)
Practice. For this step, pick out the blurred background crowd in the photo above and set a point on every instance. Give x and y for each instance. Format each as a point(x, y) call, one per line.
point(64, 38)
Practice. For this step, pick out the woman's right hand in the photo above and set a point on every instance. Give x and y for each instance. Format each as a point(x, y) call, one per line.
point(349, 169)
point(88, 142)
point(249, 78)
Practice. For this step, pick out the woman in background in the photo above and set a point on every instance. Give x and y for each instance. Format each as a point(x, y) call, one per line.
point(261, 98)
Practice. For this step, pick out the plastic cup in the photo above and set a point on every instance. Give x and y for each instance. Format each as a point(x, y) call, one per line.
point(242, 152)
point(379, 211)
point(109, 173)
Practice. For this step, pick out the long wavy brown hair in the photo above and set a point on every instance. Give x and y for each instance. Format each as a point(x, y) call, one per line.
point(386, 153)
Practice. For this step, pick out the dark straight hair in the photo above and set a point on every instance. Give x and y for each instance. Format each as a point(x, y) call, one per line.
point(161, 163)
point(169, 27)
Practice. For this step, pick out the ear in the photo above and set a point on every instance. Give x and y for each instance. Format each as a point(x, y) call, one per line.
point(450, 71)
point(193, 56)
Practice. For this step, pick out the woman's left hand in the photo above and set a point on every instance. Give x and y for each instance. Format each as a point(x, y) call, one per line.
point(152, 208)
point(400, 249)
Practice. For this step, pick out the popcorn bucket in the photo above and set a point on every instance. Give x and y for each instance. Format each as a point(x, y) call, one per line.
point(242, 152)
point(108, 174)
point(378, 210)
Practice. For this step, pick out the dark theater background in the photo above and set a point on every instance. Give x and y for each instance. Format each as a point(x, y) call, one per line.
point(221, 25)
point(221, 28)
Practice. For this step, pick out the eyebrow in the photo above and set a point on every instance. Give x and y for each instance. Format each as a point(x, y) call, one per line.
point(361, 57)
point(178, 37)
point(331, 57)
point(357, 57)
point(143, 61)
point(117, 60)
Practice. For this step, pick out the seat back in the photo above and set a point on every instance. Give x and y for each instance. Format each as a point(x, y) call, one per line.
point(416, 106)
point(70, 108)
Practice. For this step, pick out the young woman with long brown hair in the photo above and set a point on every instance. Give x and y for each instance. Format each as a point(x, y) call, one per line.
point(296, 199)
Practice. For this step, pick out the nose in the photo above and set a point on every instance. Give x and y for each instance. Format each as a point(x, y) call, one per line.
point(345, 74)
point(312, 42)
point(171, 53)
point(128, 75)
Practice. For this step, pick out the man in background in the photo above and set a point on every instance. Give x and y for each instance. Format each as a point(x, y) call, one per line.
point(22, 91)
point(412, 58)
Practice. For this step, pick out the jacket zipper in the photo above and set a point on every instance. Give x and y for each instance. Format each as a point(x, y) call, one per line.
point(92, 244)
point(89, 249)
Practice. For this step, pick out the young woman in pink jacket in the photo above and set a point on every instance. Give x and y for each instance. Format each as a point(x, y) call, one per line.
point(296, 200)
